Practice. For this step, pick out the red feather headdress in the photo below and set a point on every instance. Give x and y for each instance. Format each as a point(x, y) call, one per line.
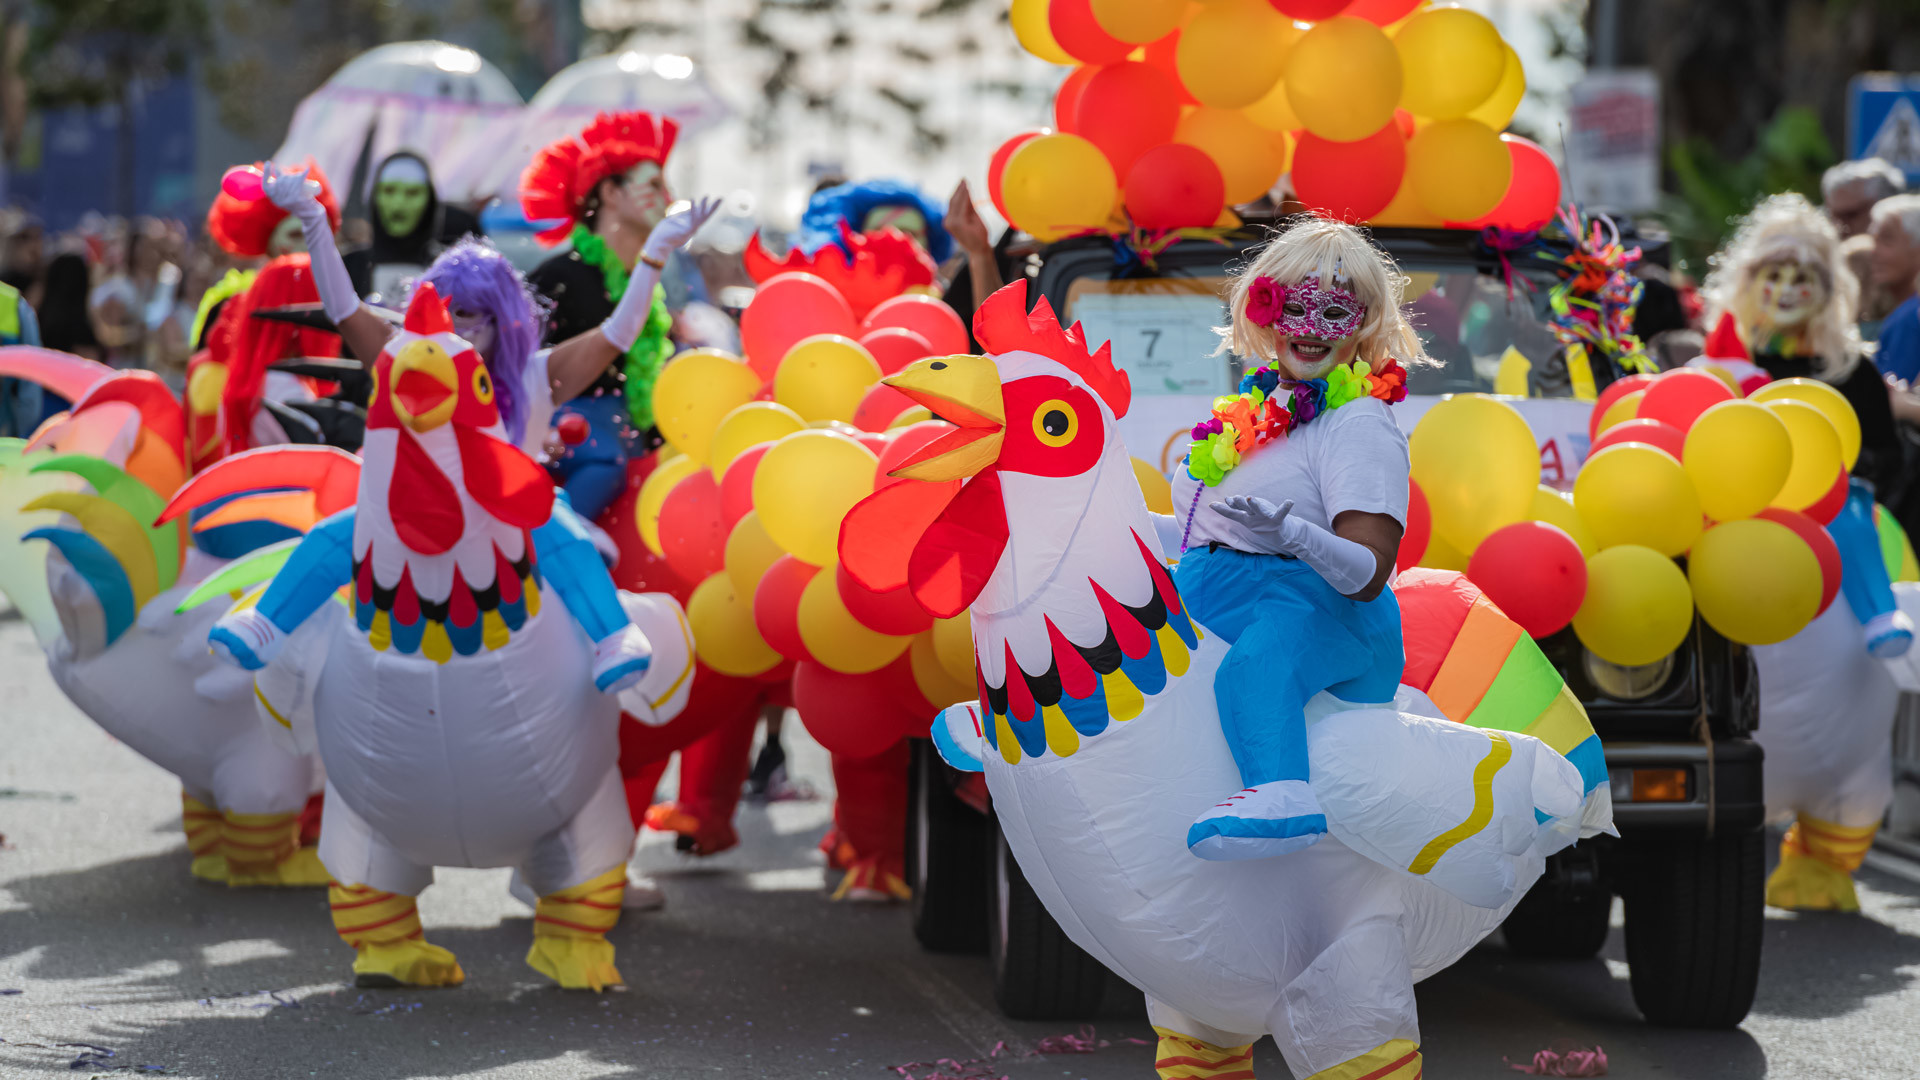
point(242, 228)
point(556, 184)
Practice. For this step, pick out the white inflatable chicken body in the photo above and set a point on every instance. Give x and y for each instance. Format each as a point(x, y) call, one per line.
point(1098, 732)
point(103, 591)
point(453, 700)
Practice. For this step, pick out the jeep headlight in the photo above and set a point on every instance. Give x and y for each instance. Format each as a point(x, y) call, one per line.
point(1623, 683)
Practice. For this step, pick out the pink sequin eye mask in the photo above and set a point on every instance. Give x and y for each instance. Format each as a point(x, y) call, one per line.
point(1306, 310)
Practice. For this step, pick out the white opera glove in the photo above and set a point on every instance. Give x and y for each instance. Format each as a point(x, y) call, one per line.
point(299, 196)
point(623, 327)
point(1343, 564)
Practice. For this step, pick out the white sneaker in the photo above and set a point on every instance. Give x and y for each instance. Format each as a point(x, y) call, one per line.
point(1275, 818)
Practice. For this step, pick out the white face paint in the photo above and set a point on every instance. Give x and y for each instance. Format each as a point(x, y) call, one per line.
point(286, 238)
point(645, 187)
point(1787, 295)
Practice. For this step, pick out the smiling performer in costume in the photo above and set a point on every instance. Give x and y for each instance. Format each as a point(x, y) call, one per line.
point(1289, 515)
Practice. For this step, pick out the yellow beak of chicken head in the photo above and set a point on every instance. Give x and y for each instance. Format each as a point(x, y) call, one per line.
point(966, 391)
point(425, 385)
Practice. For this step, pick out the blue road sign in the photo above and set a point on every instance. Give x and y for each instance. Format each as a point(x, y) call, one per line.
point(1883, 119)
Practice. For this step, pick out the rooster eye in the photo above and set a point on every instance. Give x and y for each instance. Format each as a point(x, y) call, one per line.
point(1055, 423)
point(482, 386)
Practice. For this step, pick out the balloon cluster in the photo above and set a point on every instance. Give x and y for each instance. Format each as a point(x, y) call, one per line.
point(1385, 110)
point(1681, 465)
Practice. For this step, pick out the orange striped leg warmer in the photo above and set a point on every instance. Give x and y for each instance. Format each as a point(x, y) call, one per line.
point(202, 826)
point(1398, 1059)
point(1183, 1057)
point(384, 930)
point(570, 933)
point(1817, 862)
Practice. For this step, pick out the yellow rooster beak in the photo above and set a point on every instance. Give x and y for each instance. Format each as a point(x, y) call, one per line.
point(425, 385)
point(966, 391)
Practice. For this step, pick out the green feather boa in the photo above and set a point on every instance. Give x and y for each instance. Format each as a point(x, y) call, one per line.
point(652, 349)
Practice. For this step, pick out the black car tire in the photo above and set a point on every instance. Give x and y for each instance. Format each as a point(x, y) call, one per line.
point(947, 847)
point(1695, 909)
point(1038, 973)
point(1548, 924)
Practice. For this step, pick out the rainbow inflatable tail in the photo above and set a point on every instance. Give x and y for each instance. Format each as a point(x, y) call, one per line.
point(116, 552)
point(1480, 668)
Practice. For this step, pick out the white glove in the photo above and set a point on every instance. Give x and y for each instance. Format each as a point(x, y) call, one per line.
point(1345, 565)
point(622, 328)
point(299, 196)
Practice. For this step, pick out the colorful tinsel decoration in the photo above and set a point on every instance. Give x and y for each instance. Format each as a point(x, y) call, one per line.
point(1594, 303)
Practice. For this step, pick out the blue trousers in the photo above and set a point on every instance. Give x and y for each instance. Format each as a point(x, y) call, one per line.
point(1291, 636)
point(594, 473)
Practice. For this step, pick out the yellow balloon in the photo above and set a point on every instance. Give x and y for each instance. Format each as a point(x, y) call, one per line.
point(1632, 493)
point(723, 632)
point(1233, 51)
point(653, 495)
point(1556, 508)
point(1816, 453)
point(1272, 112)
point(911, 417)
point(1625, 407)
point(1497, 111)
point(1154, 486)
point(835, 637)
point(824, 377)
point(1738, 455)
point(749, 552)
point(1638, 607)
point(1755, 581)
point(1343, 79)
point(1476, 459)
point(1138, 21)
point(694, 391)
point(804, 485)
point(1829, 401)
point(935, 682)
point(1458, 169)
point(1406, 209)
point(953, 643)
point(1453, 60)
point(1029, 18)
point(1057, 185)
point(1250, 157)
point(1441, 555)
point(751, 424)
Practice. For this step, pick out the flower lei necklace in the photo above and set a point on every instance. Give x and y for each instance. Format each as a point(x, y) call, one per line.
point(1269, 407)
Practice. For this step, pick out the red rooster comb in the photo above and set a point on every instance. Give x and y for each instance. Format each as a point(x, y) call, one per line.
point(242, 227)
point(427, 313)
point(556, 184)
point(1003, 325)
point(866, 268)
point(1724, 343)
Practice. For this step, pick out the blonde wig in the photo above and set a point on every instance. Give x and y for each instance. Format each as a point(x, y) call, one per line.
point(1785, 229)
point(1339, 255)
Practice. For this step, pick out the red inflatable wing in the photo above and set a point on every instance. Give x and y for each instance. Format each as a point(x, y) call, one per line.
point(878, 535)
point(957, 554)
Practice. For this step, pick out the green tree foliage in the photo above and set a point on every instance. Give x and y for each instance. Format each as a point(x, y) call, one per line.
point(1714, 190)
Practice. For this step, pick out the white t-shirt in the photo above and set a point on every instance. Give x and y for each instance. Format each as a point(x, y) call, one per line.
point(1350, 458)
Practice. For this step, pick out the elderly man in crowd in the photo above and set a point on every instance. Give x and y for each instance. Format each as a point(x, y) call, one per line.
point(1896, 266)
point(1850, 190)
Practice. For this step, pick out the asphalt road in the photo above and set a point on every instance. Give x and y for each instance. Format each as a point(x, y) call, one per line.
point(113, 960)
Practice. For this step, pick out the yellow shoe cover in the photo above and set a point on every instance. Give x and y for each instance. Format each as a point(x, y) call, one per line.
point(301, 869)
point(1183, 1057)
point(1397, 1059)
point(1804, 883)
point(212, 868)
point(407, 962)
point(576, 963)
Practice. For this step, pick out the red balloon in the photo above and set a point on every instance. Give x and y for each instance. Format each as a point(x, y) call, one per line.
point(786, 308)
point(1161, 54)
point(855, 716)
point(879, 407)
point(736, 488)
point(1175, 186)
point(928, 316)
point(1080, 35)
point(894, 348)
point(1310, 10)
point(904, 444)
point(573, 429)
point(1817, 538)
point(1351, 181)
point(1419, 531)
point(1829, 505)
point(894, 612)
point(1679, 396)
point(1127, 109)
point(1066, 102)
point(776, 606)
point(1532, 195)
point(1380, 12)
point(693, 536)
point(995, 168)
point(1615, 390)
point(1641, 430)
point(1533, 572)
point(639, 569)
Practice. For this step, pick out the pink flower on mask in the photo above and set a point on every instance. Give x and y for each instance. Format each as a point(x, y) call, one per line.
point(1263, 301)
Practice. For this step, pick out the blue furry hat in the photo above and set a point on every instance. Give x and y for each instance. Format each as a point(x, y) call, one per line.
point(851, 203)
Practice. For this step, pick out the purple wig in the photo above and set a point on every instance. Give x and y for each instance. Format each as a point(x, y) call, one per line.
point(477, 280)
